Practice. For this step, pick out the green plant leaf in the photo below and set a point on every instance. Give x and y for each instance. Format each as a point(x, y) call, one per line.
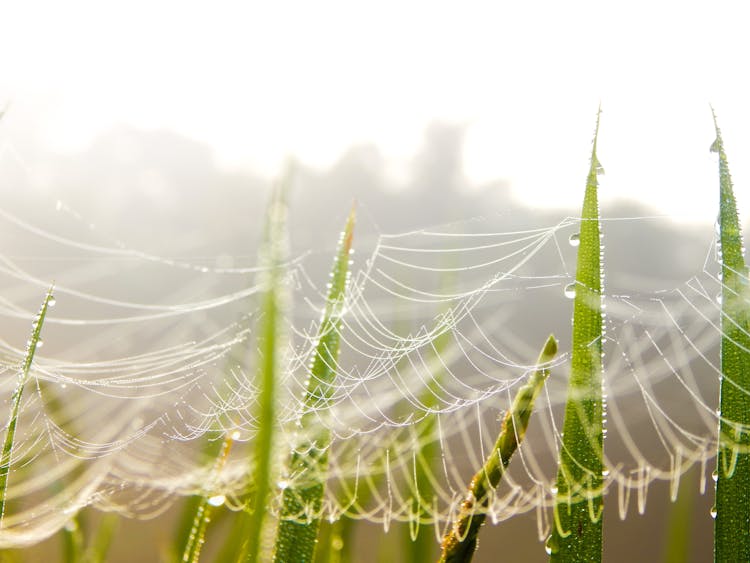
point(204, 507)
point(732, 526)
point(102, 540)
point(460, 542)
point(308, 464)
point(15, 401)
point(271, 344)
point(577, 530)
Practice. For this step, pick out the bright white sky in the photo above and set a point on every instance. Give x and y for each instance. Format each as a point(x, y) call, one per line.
point(261, 80)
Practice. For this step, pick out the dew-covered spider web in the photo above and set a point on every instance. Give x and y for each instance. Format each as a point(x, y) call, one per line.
point(150, 363)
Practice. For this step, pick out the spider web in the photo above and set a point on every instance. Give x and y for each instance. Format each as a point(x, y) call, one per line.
point(440, 327)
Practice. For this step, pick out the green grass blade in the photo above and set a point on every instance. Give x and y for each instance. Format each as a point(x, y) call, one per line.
point(677, 539)
point(204, 508)
point(270, 347)
point(15, 401)
point(577, 530)
point(308, 464)
point(732, 526)
point(460, 542)
point(102, 540)
point(72, 540)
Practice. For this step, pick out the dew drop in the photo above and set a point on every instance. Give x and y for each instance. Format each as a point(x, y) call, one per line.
point(719, 298)
point(715, 475)
point(283, 484)
point(605, 473)
point(52, 302)
point(236, 435)
point(217, 500)
point(713, 512)
point(570, 290)
point(39, 343)
point(553, 489)
point(575, 239)
point(552, 545)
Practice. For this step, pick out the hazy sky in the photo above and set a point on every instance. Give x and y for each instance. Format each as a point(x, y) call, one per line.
point(260, 80)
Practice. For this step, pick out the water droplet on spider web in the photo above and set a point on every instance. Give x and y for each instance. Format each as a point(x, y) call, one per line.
point(575, 239)
point(217, 500)
point(570, 290)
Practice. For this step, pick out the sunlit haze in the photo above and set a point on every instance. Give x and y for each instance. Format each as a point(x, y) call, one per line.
point(260, 81)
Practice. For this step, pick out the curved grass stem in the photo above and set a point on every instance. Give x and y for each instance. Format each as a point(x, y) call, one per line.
point(460, 542)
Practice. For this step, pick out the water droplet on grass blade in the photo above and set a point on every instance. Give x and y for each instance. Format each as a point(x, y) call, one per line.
point(713, 512)
point(52, 302)
point(575, 239)
point(570, 290)
point(551, 545)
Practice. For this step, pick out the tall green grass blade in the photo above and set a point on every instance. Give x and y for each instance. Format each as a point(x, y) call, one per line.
point(577, 530)
point(270, 347)
point(204, 508)
point(302, 499)
point(732, 526)
point(72, 539)
point(15, 401)
point(460, 542)
point(102, 540)
point(677, 544)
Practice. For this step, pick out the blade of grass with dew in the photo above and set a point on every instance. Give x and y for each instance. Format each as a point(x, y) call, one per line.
point(208, 501)
point(460, 542)
point(184, 527)
point(577, 530)
point(102, 540)
point(732, 525)
point(296, 539)
point(270, 347)
point(15, 401)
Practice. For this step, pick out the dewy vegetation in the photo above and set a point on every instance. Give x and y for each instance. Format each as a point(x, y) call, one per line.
point(732, 527)
point(15, 400)
point(280, 512)
point(460, 542)
point(577, 531)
